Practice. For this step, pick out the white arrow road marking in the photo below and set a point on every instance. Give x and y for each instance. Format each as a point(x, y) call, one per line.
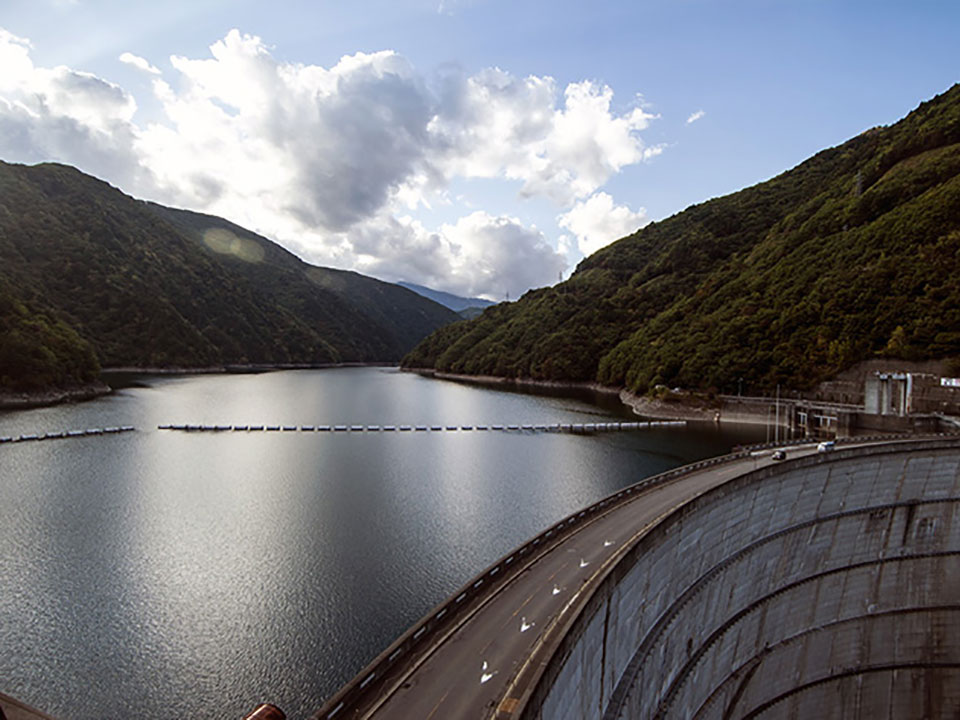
point(583, 563)
point(607, 543)
point(556, 590)
point(486, 675)
point(524, 625)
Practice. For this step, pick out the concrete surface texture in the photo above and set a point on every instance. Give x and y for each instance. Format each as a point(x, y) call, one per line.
point(16, 710)
point(821, 587)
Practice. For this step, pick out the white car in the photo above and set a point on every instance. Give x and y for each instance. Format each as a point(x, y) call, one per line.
point(826, 446)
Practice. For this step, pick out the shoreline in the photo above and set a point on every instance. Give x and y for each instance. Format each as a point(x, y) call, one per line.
point(27, 400)
point(497, 381)
point(10, 400)
point(722, 409)
point(239, 369)
point(688, 408)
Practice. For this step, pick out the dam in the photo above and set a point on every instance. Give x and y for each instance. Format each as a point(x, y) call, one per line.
point(823, 585)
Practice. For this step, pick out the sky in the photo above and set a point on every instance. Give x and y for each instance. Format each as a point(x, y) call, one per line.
point(480, 147)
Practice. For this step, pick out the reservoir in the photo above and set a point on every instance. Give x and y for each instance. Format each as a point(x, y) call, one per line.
point(159, 573)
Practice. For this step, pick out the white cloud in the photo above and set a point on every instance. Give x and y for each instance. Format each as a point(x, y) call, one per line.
point(15, 61)
point(597, 222)
point(497, 125)
point(695, 116)
point(139, 63)
point(479, 254)
point(330, 161)
point(65, 115)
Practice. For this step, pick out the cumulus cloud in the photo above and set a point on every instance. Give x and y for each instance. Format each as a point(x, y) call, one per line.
point(497, 125)
point(695, 116)
point(331, 161)
point(139, 63)
point(597, 222)
point(65, 115)
point(478, 255)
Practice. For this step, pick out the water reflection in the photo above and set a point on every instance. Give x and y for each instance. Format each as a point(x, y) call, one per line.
point(169, 574)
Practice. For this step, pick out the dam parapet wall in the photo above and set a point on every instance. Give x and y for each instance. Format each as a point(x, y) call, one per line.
point(827, 586)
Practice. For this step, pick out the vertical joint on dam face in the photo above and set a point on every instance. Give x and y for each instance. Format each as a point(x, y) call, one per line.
point(827, 587)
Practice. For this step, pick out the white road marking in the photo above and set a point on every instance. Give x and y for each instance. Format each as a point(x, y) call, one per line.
point(607, 543)
point(524, 625)
point(556, 590)
point(484, 676)
point(583, 563)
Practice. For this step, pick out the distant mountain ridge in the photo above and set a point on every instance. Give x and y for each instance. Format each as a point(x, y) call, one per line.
point(854, 253)
point(91, 276)
point(454, 302)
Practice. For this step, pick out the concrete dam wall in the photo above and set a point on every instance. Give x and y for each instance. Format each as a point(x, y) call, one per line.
point(828, 586)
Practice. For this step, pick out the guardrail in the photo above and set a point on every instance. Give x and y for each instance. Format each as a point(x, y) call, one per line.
point(445, 618)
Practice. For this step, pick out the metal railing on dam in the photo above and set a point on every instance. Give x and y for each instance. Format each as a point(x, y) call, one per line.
point(525, 696)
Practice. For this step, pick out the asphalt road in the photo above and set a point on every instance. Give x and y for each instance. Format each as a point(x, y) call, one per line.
point(479, 669)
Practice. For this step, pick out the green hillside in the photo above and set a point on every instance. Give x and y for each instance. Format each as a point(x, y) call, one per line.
point(37, 352)
point(854, 253)
point(86, 266)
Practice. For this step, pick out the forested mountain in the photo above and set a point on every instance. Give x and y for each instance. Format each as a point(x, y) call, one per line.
point(854, 253)
point(88, 273)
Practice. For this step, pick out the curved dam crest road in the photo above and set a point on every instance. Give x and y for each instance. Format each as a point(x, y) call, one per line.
point(484, 665)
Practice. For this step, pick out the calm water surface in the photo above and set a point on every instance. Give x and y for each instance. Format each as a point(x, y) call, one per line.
point(162, 574)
